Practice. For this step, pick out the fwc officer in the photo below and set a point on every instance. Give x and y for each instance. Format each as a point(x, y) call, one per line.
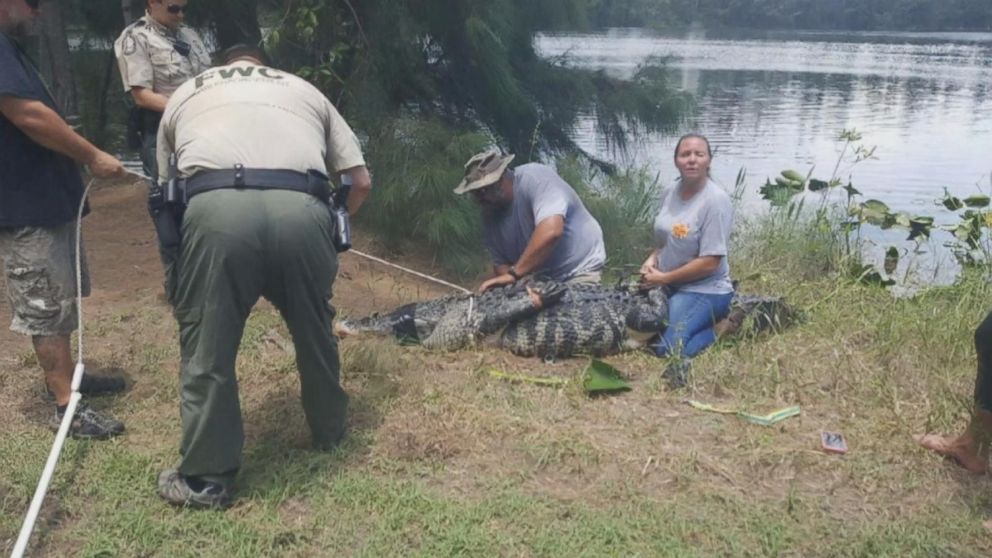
point(155, 55)
point(253, 147)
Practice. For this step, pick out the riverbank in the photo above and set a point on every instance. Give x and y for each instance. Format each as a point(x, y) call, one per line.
point(444, 460)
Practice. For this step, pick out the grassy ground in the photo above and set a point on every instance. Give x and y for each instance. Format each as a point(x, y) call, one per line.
point(444, 460)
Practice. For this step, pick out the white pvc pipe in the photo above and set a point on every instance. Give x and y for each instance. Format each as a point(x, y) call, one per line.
point(53, 459)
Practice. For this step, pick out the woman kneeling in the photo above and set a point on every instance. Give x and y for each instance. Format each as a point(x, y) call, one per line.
point(692, 231)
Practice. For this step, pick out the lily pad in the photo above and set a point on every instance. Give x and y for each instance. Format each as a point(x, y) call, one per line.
point(793, 176)
point(817, 185)
point(951, 202)
point(874, 212)
point(977, 201)
point(600, 377)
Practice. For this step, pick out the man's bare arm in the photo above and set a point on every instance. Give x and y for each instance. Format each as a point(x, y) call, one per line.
point(148, 99)
point(47, 128)
point(542, 242)
point(361, 185)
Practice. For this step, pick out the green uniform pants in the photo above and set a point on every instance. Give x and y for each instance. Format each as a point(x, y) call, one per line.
point(239, 245)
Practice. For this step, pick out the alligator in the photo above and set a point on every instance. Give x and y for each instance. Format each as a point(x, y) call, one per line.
point(550, 320)
point(457, 321)
point(569, 320)
point(592, 320)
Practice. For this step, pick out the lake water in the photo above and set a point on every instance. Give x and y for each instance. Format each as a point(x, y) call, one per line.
point(774, 101)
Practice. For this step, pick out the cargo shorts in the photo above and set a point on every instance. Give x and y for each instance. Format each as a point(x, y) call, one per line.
point(39, 265)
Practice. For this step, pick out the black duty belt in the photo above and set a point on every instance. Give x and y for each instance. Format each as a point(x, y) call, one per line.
point(312, 182)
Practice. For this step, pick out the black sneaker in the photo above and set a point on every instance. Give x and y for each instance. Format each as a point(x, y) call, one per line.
point(89, 424)
point(175, 488)
point(677, 373)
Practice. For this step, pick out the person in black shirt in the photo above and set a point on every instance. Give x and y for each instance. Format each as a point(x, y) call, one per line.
point(40, 193)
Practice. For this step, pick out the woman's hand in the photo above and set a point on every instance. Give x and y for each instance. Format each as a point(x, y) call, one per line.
point(648, 263)
point(652, 277)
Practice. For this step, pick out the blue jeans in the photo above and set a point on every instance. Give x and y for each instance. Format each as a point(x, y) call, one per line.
point(691, 317)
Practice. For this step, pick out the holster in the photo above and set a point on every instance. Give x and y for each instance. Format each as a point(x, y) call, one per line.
point(342, 228)
point(342, 220)
point(167, 218)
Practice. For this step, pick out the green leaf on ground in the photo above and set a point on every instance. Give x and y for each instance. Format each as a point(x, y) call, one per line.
point(600, 377)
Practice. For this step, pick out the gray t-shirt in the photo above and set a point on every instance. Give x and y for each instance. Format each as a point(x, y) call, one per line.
point(688, 229)
point(539, 193)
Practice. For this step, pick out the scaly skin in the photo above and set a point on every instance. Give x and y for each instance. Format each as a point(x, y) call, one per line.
point(592, 320)
point(571, 319)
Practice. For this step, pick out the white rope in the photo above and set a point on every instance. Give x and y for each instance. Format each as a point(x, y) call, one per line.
point(412, 272)
point(70, 411)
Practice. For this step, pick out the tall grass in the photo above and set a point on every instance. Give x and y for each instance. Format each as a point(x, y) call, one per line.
point(794, 242)
point(624, 203)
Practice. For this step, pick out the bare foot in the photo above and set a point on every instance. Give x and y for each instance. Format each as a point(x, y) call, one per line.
point(960, 451)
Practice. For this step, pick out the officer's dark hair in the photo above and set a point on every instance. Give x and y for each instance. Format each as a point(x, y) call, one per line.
point(239, 50)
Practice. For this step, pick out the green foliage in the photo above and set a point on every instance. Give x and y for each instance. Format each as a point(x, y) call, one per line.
point(417, 163)
point(624, 204)
point(968, 233)
point(471, 64)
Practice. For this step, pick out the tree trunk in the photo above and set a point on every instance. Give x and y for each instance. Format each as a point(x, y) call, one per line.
point(54, 59)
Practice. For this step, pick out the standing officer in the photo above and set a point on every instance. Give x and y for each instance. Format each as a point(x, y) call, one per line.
point(155, 55)
point(532, 222)
point(254, 146)
point(40, 193)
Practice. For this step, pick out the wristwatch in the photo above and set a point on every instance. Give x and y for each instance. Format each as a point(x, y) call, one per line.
point(513, 272)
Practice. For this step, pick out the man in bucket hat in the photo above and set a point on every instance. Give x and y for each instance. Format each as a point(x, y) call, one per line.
point(533, 222)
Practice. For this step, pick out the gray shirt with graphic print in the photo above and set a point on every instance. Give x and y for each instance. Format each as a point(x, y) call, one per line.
point(539, 193)
point(688, 229)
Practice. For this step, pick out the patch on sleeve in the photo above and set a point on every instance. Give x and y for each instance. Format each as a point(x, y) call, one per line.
point(129, 45)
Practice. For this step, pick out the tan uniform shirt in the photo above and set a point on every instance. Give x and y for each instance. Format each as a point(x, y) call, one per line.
point(257, 116)
point(146, 56)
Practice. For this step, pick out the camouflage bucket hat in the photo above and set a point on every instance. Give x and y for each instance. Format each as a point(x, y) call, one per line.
point(482, 170)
